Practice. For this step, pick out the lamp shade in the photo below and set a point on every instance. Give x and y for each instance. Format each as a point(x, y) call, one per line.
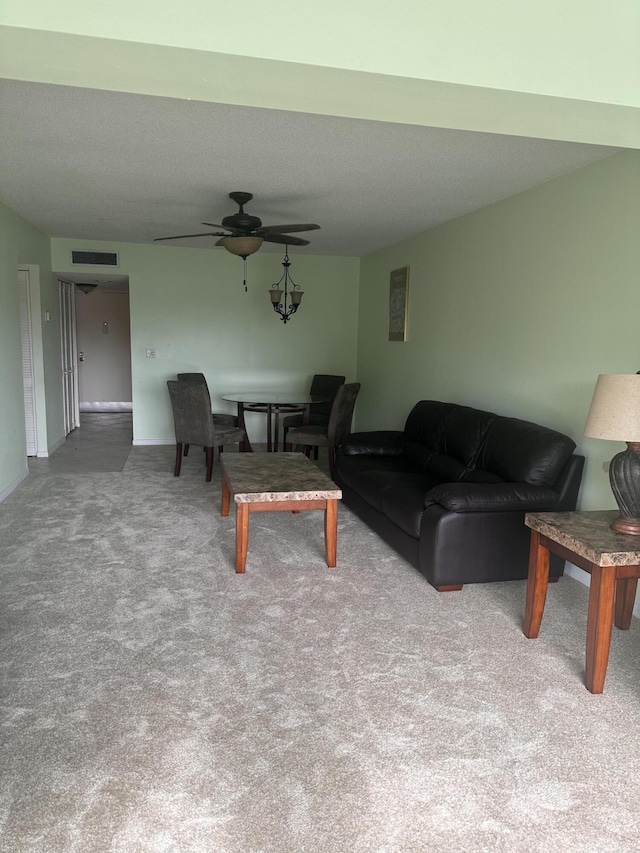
point(615, 408)
point(242, 246)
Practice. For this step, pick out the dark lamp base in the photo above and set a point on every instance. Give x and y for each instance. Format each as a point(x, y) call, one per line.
point(624, 476)
point(630, 526)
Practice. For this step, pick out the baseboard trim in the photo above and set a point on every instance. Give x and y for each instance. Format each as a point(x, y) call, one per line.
point(102, 407)
point(14, 485)
point(585, 578)
point(45, 454)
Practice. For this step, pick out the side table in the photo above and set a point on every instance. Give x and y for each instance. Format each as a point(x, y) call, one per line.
point(613, 561)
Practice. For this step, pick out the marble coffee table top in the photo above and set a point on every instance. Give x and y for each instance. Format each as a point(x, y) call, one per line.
point(264, 477)
point(588, 533)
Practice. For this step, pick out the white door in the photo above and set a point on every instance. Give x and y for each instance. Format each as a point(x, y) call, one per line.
point(69, 356)
point(24, 296)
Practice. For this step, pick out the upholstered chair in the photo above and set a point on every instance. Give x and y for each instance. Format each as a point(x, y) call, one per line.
point(220, 419)
point(322, 385)
point(312, 435)
point(191, 406)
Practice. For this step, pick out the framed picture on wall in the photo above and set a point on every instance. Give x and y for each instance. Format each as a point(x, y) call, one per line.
point(398, 304)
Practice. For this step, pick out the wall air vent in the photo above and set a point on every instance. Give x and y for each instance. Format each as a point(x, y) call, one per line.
point(94, 259)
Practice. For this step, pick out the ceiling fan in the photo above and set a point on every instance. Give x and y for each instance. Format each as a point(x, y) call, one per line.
point(244, 234)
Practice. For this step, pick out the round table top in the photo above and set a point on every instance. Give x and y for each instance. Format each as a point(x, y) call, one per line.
point(274, 398)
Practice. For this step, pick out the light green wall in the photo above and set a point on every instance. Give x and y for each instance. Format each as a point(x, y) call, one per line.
point(569, 49)
point(190, 306)
point(21, 243)
point(515, 308)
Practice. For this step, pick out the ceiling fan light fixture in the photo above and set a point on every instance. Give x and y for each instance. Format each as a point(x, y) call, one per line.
point(86, 288)
point(242, 246)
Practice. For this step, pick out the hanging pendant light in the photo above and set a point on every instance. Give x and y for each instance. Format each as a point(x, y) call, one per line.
point(288, 305)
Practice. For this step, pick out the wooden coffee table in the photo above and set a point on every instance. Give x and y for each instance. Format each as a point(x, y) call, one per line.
point(269, 482)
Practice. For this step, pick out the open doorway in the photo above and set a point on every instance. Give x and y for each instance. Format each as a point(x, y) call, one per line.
point(103, 343)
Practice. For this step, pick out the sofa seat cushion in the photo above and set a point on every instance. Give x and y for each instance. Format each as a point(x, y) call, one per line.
point(350, 468)
point(373, 485)
point(404, 502)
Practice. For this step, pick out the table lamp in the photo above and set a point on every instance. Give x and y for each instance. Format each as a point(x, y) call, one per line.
point(615, 415)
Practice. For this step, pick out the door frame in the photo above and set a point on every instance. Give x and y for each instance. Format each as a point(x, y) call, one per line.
point(37, 353)
point(69, 355)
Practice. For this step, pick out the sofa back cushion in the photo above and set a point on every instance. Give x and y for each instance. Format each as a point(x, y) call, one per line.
point(444, 439)
point(465, 434)
point(423, 432)
point(452, 443)
point(523, 452)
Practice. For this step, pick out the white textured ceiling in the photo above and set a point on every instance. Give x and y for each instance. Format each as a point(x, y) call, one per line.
point(100, 165)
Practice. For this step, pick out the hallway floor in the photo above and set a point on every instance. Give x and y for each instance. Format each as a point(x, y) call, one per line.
point(101, 444)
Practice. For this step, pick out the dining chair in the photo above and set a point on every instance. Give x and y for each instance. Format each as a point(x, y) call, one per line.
point(220, 419)
point(322, 385)
point(312, 435)
point(191, 407)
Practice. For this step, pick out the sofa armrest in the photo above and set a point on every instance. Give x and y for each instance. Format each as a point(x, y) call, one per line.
point(380, 443)
point(492, 497)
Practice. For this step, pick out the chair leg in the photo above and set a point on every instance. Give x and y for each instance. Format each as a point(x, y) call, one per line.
point(178, 465)
point(307, 451)
point(315, 452)
point(209, 453)
point(332, 460)
point(186, 450)
point(288, 447)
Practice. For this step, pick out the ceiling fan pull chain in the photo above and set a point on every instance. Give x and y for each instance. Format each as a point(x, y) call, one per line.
point(244, 280)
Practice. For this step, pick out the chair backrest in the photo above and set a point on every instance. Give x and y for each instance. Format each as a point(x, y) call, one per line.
point(325, 385)
point(192, 377)
point(342, 412)
point(191, 412)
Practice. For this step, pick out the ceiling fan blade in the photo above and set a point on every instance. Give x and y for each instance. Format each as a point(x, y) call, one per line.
point(182, 236)
point(284, 238)
point(228, 227)
point(287, 229)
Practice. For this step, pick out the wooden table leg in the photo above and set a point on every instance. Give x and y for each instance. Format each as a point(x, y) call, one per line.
point(625, 598)
point(242, 536)
point(226, 496)
point(599, 625)
point(331, 532)
point(537, 582)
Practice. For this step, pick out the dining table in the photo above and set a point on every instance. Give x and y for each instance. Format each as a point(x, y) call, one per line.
point(273, 404)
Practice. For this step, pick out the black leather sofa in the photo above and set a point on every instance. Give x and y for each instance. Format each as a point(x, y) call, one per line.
point(450, 491)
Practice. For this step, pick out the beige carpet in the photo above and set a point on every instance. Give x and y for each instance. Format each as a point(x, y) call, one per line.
point(153, 700)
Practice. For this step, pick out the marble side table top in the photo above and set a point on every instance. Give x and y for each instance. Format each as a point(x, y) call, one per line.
point(271, 477)
point(588, 533)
